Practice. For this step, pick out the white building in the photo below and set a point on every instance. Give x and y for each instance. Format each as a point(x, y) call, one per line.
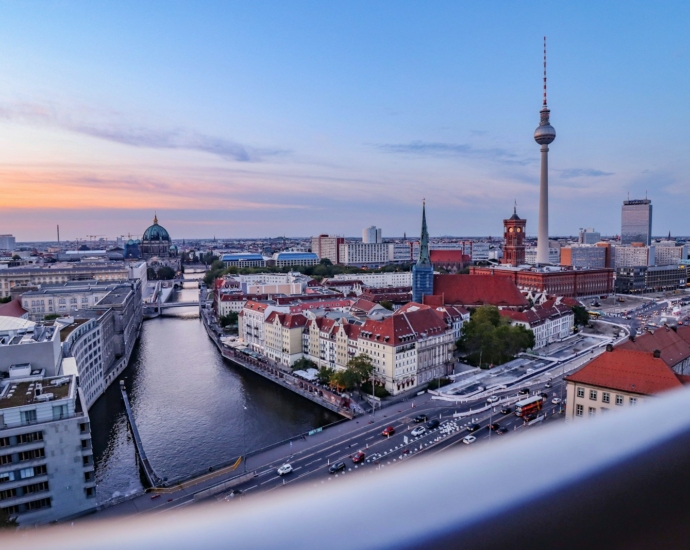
point(668, 253)
point(635, 256)
point(549, 322)
point(24, 342)
point(531, 255)
point(372, 235)
point(46, 456)
point(327, 246)
point(380, 280)
point(7, 242)
point(356, 253)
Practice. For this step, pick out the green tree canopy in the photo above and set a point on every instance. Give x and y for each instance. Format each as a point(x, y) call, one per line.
point(581, 316)
point(387, 304)
point(489, 339)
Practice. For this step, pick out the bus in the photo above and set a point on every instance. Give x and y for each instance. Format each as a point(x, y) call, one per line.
point(594, 314)
point(528, 406)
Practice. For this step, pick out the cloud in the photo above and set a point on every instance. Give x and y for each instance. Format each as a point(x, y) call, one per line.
point(465, 150)
point(136, 135)
point(584, 173)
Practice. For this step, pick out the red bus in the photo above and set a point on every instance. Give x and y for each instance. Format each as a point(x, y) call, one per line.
point(528, 406)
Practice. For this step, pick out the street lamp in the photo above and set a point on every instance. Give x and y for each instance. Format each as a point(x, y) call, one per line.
point(244, 437)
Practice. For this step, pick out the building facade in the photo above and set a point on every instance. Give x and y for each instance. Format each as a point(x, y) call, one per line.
point(584, 256)
point(372, 235)
point(422, 271)
point(514, 235)
point(636, 222)
point(327, 246)
point(635, 255)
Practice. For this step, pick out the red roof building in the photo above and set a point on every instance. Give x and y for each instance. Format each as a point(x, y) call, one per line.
point(674, 346)
point(476, 290)
point(13, 309)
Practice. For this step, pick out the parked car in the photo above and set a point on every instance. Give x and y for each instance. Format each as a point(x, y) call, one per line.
point(418, 431)
point(390, 430)
point(358, 457)
point(506, 410)
point(335, 468)
point(420, 418)
point(433, 423)
point(468, 439)
point(284, 470)
point(473, 427)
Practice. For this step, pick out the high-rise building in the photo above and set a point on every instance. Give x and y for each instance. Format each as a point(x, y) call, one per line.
point(514, 235)
point(589, 236)
point(372, 235)
point(636, 222)
point(327, 246)
point(7, 242)
point(422, 271)
point(544, 135)
point(635, 256)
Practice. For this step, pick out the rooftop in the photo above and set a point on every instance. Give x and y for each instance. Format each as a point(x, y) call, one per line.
point(17, 394)
point(65, 332)
point(116, 296)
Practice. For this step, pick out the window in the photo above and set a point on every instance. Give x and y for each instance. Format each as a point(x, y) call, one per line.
point(4, 441)
point(578, 410)
point(59, 412)
point(26, 473)
point(30, 438)
point(38, 504)
point(36, 487)
point(8, 493)
point(6, 476)
point(593, 395)
point(592, 411)
point(90, 491)
point(580, 392)
point(28, 416)
point(619, 399)
point(633, 400)
point(606, 397)
point(31, 455)
point(5, 459)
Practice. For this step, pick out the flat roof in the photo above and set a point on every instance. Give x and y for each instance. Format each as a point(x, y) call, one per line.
point(17, 394)
point(65, 332)
point(115, 296)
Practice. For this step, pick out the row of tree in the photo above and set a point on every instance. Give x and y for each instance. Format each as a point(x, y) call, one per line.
point(358, 372)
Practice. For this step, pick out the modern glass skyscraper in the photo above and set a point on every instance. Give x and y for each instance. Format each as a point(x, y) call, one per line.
point(636, 222)
point(423, 271)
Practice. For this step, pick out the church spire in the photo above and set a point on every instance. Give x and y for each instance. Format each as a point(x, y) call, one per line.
point(155, 218)
point(424, 240)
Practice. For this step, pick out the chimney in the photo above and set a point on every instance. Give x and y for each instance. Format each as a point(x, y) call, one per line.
point(657, 354)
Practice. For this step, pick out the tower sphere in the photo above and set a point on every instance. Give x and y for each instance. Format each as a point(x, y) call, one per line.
point(545, 133)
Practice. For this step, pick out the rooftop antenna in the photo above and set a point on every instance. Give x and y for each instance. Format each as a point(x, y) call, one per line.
point(544, 71)
point(58, 233)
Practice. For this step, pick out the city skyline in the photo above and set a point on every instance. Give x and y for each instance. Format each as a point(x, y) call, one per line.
point(250, 117)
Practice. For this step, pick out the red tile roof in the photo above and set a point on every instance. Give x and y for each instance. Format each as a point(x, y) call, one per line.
point(674, 349)
point(628, 370)
point(288, 320)
point(12, 309)
point(403, 327)
point(364, 305)
point(538, 314)
point(478, 290)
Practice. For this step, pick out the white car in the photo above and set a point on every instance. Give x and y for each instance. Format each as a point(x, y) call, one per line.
point(284, 470)
point(418, 431)
point(556, 400)
point(468, 439)
point(492, 399)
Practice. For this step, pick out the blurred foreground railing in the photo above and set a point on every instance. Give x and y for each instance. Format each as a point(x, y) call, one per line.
point(615, 482)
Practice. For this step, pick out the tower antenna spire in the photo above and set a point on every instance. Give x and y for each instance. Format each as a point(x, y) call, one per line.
point(544, 71)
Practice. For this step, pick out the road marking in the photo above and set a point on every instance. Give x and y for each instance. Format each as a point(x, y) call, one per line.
point(250, 488)
point(263, 473)
point(312, 462)
point(333, 453)
point(368, 438)
point(268, 480)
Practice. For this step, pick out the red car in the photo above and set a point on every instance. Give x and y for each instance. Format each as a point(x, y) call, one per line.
point(358, 457)
point(390, 430)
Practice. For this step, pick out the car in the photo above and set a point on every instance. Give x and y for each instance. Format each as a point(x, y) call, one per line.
point(433, 423)
point(501, 430)
point(418, 431)
point(523, 391)
point(492, 399)
point(284, 469)
point(556, 400)
point(233, 494)
point(529, 417)
point(468, 439)
point(547, 385)
point(544, 395)
point(358, 457)
point(473, 427)
point(494, 427)
point(335, 468)
point(420, 418)
point(390, 430)
point(506, 410)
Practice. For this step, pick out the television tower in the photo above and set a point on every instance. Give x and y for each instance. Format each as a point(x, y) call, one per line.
point(543, 135)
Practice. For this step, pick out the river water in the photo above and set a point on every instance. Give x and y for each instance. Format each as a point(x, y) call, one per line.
point(193, 409)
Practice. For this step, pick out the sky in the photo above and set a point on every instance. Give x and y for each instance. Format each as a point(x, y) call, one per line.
point(264, 118)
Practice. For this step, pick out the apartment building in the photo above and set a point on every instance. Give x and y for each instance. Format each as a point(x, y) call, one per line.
point(380, 280)
point(283, 337)
point(549, 322)
point(46, 456)
point(327, 246)
point(617, 379)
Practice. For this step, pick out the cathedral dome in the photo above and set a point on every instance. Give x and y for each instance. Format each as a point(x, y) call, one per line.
point(156, 232)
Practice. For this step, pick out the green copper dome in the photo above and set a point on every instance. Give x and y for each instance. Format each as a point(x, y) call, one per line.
point(156, 232)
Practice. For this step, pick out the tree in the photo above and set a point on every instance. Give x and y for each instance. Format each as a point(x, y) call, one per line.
point(7, 521)
point(325, 375)
point(228, 320)
point(325, 261)
point(303, 364)
point(387, 304)
point(361, 368)
point(165, 273)
point(581, 316)
point(6, 300)
point(16, 257)
point(344, 379)
point(489, 339)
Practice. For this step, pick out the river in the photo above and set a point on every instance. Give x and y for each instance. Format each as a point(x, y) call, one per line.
point(193, 409)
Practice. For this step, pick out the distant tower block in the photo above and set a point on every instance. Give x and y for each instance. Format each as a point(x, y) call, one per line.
point(514, 234)
point(544, 135)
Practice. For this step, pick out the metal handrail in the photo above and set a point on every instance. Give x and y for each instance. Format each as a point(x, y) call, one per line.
point(619, 481)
